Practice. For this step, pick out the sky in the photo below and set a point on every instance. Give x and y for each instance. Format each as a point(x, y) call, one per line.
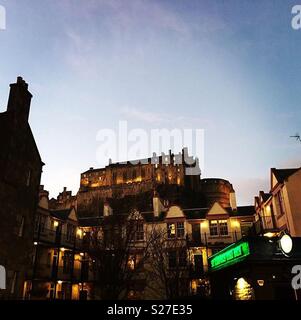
point(229, 67)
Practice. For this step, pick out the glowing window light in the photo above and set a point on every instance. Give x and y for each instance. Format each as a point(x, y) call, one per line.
point(79, 232)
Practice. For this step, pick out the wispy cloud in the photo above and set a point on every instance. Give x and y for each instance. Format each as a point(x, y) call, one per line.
point(129, 14)
point(157, 118)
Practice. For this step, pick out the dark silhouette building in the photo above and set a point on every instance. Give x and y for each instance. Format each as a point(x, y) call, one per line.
point(20, 174)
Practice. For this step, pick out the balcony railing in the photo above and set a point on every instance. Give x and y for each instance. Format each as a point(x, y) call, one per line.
point(53, 272)
point(53, 237)
point(205, 239)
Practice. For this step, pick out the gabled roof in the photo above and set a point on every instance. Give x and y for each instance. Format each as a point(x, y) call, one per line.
point(61, 214)
point(283, 174)
point(243, 211)
point(264, 196)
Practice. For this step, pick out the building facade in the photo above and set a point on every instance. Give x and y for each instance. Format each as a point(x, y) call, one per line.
point(132, 178)
point(62, 269)
point(20, 173)
point(168, 253)
point(280, 209)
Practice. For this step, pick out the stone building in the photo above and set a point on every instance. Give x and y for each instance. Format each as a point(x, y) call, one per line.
point(279, 210)
point(61, 267)
point(172, 174)
point(168, 254)
point(20, 173)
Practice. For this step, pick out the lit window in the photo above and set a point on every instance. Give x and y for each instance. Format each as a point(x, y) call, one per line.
point(180, 229)
point(171, 230)
point(218, 227)
point(131, 263)
point(223, 227)
point(176, 230)
point(213, 228)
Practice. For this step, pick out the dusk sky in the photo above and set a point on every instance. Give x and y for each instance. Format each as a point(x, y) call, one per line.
point(232, 68)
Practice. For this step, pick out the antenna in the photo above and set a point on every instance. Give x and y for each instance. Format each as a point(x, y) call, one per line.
point(297, 137)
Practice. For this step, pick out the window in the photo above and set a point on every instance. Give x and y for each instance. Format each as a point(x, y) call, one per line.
point(175, 230)
point(223, 227)
point(67, 258)
point(280, 204)
point(131, 263)
point(213, 228)
point(70, 232)
point(143, 172)
point(51, 291)
point(42, 223)
point(54, 224)
point(218, 228)
point(171, 230)
point(177, 258)
point(125, 177)
point(140, 231)
point(180, 229)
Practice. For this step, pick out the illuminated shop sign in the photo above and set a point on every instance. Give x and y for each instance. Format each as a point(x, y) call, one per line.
point(230, 255)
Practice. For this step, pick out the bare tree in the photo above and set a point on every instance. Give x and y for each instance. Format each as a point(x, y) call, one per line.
point(120, 250)
point(168, 264)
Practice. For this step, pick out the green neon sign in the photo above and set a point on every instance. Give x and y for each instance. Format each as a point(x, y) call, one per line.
point(230, 255)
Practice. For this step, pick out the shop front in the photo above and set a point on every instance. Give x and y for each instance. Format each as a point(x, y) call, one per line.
point(257, 268)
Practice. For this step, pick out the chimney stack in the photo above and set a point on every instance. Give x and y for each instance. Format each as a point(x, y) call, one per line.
point(19, 100)
point(157, 205)
point(233, 201)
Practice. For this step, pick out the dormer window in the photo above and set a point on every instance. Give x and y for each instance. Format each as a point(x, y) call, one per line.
point(175, 230)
